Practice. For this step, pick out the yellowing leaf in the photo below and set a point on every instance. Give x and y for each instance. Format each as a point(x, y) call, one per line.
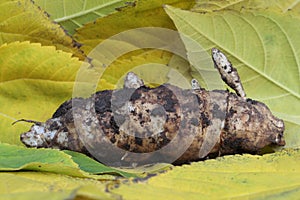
point(232, 177)
point(22, 20)
point(143, 14)
point(74, 14)
point(34, 81)
point(37, 185)
point(151, 66)
point(264, 48)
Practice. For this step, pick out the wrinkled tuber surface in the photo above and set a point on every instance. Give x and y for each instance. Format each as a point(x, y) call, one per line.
point(140, 125)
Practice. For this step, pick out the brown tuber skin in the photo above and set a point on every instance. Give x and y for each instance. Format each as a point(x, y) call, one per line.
point(198, 123)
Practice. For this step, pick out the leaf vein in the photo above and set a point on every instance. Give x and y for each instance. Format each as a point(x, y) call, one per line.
point(290, 44)
point(79, 14)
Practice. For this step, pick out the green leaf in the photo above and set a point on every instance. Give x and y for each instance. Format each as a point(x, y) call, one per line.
point(93, 167)
point(21, 20)
point(272, 176)
point(216, 5)
point(264, 48)
point(74, 14)
point(16, 158)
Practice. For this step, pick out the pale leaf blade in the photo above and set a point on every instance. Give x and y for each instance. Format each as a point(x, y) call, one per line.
point(291, 6)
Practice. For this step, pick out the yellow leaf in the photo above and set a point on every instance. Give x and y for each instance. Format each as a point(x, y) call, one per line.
point(37, 185)
point(34, 81)
point(151, 66)
point(231, 177)
point(143, 14)
point(22, 20)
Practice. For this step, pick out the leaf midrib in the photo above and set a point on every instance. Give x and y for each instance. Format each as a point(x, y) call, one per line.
point(79, 14)
point(36, 79)
point(220, 7)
